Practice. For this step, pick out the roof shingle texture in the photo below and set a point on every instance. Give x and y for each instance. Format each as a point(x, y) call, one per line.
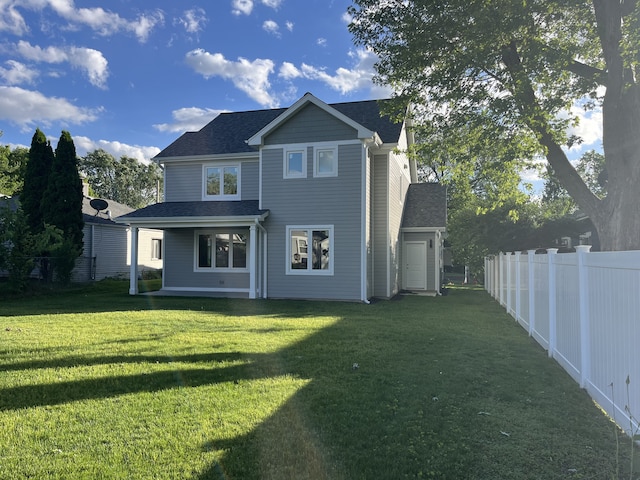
point(426, 206)
point(198, 209)
point(229, 132)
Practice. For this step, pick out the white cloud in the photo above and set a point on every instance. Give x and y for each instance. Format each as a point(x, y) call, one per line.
point(99, 20)
point(271, 27)
point(589, 127)
point(344, 80)
point(91, 61)
point(289, 71)
point(289, 26)
point(275, 4)
point(27, 108)
point(17, 73)
point(143, 154)
point(346, 18)
point(321, 42)
point(251, 77)
point(241, 7)
point(189, 119)
point(193, 20)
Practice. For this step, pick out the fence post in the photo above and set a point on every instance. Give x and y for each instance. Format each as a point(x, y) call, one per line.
point(532, 292)
point(508, 257)
point(585, 332)
point(518, 286)
point(502, 280)
point(551, 256)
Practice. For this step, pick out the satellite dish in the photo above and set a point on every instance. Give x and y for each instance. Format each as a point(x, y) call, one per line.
point(98, 204)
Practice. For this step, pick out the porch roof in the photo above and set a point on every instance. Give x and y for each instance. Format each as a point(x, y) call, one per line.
point(196, 214)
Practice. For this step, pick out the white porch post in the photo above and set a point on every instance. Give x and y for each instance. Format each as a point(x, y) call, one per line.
point(253, 254)
point(133, 272)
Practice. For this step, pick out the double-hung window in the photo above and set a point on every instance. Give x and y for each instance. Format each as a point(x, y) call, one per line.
point(221, 182)
point(221, 250)
point(309, 250)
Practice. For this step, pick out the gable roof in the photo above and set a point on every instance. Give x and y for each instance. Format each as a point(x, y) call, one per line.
point(425, 206)
point(228, 133)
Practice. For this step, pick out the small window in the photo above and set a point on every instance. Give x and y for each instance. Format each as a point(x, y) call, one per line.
point(326, 162)
point(221, 250)
point(295, 164)
point(221, 182)
point(310, 250)
point(156, 249)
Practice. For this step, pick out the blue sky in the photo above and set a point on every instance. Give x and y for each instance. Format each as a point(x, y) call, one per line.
point(130, 77)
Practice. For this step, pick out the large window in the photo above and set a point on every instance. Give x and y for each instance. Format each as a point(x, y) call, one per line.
point(295, 163)
point(309, 250)
point(221, 182)
point(221, 250)
point(326, 162)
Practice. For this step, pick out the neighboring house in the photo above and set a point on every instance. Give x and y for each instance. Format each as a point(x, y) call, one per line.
point(302, 202)
point(106, 250)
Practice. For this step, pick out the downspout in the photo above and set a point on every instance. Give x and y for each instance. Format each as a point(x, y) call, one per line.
point(264, 259)
point(92, 271)
point(363, 227)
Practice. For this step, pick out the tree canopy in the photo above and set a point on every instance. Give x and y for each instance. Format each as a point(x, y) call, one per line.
point(517, 68)
point(126, 181)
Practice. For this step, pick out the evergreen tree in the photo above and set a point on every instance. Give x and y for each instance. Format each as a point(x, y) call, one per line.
point(62, 200)
point(36, 179)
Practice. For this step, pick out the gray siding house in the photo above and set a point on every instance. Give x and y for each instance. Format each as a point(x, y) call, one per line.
point(304, 202)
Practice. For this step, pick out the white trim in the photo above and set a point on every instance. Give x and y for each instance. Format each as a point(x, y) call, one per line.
point(206, 289)
point(258, 138)
point(214, 268)
point(260, 180)
point(309, 230)
point(407, 260)
point(334, 170)
point(294, 148)
point(221, 196)
point(423, 229)
point(363, 227)
point(208, 158)
point(162, 223)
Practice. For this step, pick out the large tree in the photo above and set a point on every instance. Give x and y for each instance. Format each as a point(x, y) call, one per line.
point(126, 180)
point(520, 66)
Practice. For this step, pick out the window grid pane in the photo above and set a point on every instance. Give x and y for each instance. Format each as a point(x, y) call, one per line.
point(204, 251)
point(230, 180)
point(298, 242)
point(222, 250)
point(326, 162)
point(239, 250)
point(320, 249)
point(213, 181)
point(294, 164)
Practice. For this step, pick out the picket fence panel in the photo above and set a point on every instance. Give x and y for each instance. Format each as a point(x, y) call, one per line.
point(583, 308)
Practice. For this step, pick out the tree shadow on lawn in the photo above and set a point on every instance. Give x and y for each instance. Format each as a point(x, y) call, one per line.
point(421, 407)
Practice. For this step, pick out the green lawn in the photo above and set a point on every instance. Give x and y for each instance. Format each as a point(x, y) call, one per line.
point(97, 384)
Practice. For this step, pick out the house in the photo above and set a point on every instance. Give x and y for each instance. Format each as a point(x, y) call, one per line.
point(304, 202)
point(106, 249)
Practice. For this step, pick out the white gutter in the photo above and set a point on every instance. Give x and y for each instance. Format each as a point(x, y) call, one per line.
point(264, 260)
point(363, 228)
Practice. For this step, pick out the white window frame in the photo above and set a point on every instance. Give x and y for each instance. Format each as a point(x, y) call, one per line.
point(285, 161)
point(309, 230)
point(214, 267)
point(222, 195)
point(156, 252)
point(316, 161)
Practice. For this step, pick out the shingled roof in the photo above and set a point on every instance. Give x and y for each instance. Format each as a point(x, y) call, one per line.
point(426, 206)
point(195, 209)
point(228, 132)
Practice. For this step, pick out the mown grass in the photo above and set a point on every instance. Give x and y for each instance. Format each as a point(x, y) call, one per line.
point(95, 383)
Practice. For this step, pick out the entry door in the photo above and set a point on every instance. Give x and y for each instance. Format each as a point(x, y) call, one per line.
point(415, 265)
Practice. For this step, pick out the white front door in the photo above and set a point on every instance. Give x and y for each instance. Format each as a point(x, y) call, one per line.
point(415, 265)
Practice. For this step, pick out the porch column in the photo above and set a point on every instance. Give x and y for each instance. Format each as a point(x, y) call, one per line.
point(133, 272)
point(253, 256)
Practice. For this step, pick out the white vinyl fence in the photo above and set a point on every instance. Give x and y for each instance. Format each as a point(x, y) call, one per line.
point(584, 309)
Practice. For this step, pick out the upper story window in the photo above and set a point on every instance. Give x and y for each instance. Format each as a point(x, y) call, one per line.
point(221, 182)
point(326, 162)
point(295, 163)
